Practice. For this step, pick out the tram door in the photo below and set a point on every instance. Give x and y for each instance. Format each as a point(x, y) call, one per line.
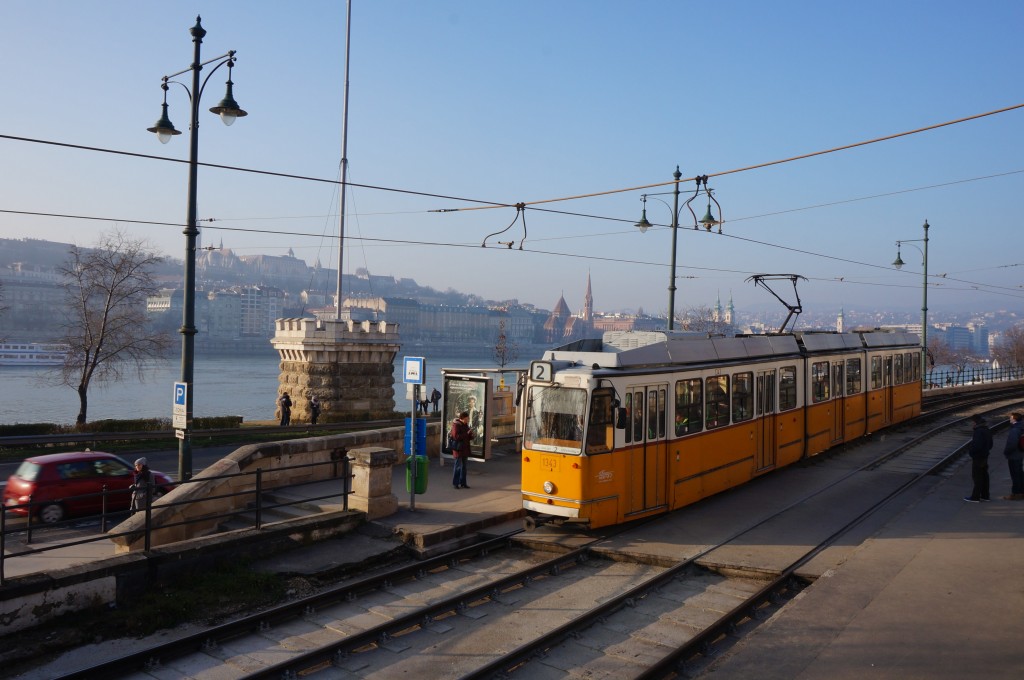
point(647, 463)
point(765, 388)
point(838, 403)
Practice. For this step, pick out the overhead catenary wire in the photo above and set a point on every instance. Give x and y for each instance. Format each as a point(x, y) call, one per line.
point(748, 168)
point(520, 205)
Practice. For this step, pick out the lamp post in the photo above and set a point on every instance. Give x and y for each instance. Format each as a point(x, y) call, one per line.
point(708, 221)
point(228, 110)
point(898, 263)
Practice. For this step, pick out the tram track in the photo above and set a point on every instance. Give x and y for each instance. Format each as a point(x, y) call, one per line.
point(675, 614)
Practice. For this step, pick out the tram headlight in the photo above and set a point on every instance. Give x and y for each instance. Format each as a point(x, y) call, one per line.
point(549, 487)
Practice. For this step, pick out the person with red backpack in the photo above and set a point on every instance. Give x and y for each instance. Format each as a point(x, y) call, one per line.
point(1015, 457)
point(459, 437)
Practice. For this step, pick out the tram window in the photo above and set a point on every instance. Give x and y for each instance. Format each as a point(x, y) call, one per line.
point(887, 371)
point(916, 358)
point(742, 397)
point(689, 400)
point(554, 419)
point(628, 406)
point(819, 381)
point(638, 416)
point(876, 373)
point(837, 380)
point(765, 403)
point(853, 377)
point(601, 428)
point(787, 388)
point(718, 401)
point(661, 413)
point(908, 367)
point(652, 414)
point(898, 370)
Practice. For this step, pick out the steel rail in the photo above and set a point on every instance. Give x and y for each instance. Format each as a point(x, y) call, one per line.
point(509, 662)
point(284, 612)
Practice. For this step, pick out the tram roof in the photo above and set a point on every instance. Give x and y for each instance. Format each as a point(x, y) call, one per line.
point(625, 349)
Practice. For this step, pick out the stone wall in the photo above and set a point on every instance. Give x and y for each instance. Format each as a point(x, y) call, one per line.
point(197, 507)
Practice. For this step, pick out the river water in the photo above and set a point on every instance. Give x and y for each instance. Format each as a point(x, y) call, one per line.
point(223, 385)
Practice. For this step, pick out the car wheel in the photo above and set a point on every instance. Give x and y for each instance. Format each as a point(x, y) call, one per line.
point(51, 513)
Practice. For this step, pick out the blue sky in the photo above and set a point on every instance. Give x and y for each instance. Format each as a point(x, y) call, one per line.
point(532, 100)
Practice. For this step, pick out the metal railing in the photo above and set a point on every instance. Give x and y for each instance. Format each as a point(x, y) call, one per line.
point(971, 375)
point(297, 429)
point(257, 504)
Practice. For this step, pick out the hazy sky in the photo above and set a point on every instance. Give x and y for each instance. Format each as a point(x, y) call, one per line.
point(531, 100)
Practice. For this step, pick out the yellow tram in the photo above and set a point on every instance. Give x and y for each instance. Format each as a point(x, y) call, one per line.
point(639, 423)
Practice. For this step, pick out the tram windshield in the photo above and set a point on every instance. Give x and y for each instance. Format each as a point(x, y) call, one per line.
point(554, 419)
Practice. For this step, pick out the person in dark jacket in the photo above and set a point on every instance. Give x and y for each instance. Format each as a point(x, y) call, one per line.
point(460, 436)
point(285, 402)
point(142, 486)
point(981, 444)
point(314, 409)
point(1015, 458)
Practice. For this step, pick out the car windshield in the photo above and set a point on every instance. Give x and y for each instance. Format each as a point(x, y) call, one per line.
point(28, 471)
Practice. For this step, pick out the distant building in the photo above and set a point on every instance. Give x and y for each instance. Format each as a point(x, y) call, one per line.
point(261, 306)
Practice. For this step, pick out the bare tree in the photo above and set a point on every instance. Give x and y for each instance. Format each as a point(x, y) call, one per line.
point(1009, 348)
point(941, 354)
point(105, 323)
point(505, 352)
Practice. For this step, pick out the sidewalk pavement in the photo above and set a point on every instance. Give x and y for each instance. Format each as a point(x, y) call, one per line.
point(937, 593)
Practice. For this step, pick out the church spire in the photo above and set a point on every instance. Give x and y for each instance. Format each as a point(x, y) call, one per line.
point(588, 302)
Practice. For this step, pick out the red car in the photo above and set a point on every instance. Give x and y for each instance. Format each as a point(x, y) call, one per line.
point(65, 484)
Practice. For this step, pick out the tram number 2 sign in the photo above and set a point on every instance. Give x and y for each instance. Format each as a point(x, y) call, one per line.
point(540, 371)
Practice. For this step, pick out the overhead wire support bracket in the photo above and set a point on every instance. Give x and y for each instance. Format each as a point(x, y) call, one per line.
point(520, 211)
point(794, 309)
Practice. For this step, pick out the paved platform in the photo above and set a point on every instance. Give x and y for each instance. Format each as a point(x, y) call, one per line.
point(938, 592)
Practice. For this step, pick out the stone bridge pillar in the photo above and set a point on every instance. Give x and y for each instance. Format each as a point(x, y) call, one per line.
point(347, 364)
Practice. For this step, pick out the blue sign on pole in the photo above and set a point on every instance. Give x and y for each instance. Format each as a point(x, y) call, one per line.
point(180, 393)
point(415, 370)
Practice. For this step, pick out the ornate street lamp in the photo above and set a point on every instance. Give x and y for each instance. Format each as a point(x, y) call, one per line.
point(898, 263)
point(229, 111)
point(708, 221)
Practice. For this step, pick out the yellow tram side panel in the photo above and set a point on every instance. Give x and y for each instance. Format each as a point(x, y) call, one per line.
point(820, 426)
point(711, 462)
point(906, 401)
point(789, 439)
point(856, 416)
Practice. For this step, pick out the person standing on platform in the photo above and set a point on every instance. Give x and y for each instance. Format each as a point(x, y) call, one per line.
point(981, 444)
point(460, 436)
point(314, 409)
point(435, 398)
point(1015, 458)
point(141, 487)
point(285, 402)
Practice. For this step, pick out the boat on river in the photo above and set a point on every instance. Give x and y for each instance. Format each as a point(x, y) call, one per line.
point(32, 354)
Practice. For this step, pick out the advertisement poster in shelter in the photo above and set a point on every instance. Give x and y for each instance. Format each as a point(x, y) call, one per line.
point(470, 394)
